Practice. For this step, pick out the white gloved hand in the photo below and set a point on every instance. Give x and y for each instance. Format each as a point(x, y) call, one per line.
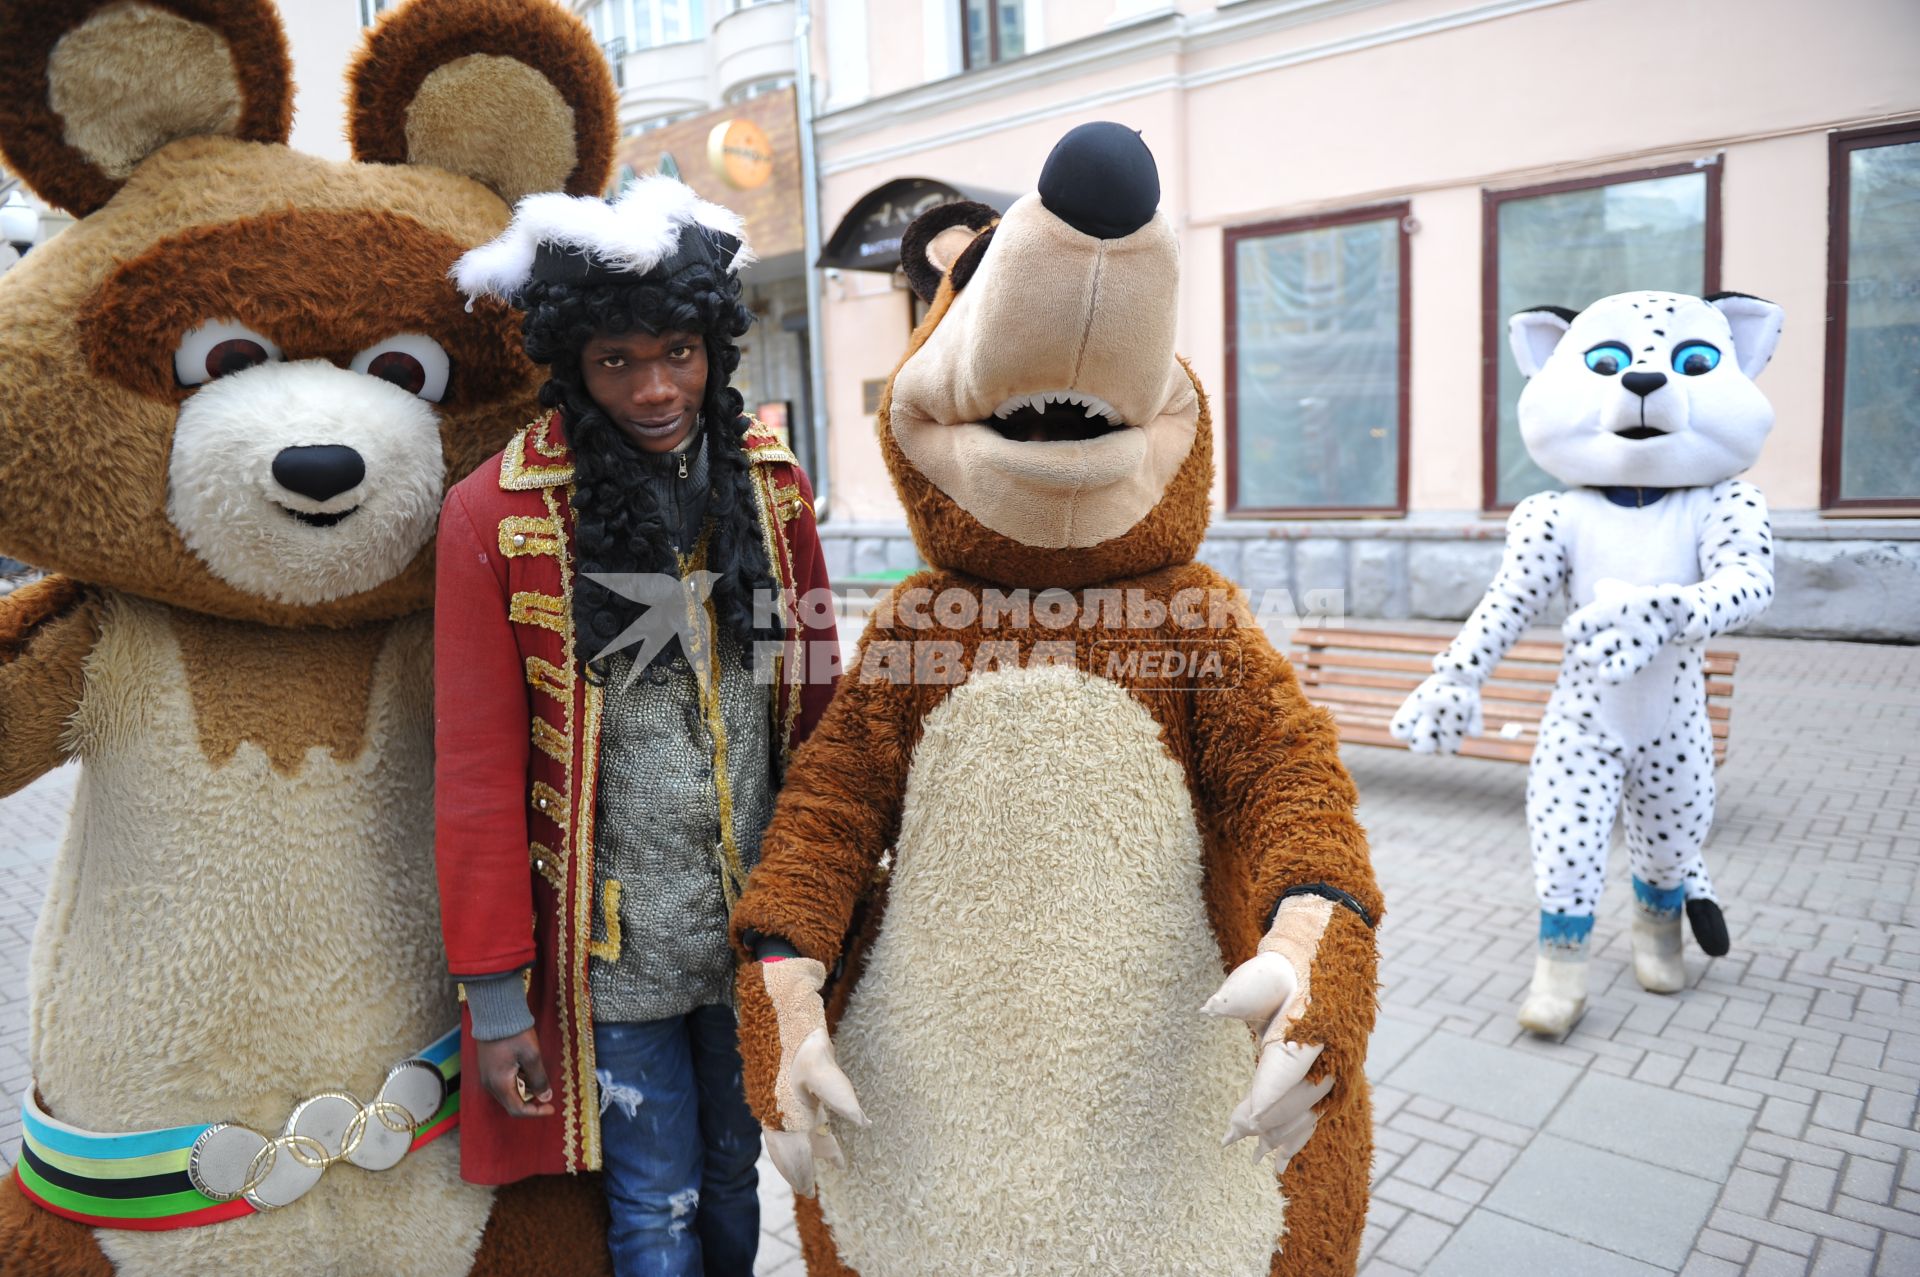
point(1439, 714)
point(1618, 633)
point(809, 1082)
point(1270, 991)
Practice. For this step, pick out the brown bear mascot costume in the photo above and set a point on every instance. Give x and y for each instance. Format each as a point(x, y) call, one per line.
point(231, 398)
point(1095, 789)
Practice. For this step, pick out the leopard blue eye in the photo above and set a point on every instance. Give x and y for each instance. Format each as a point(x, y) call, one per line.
point(1695, 357)
point(1608, 358)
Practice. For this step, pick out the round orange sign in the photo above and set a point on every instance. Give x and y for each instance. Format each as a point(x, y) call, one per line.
point(740, 153)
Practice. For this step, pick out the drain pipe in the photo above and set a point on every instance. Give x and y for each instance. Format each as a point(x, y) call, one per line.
point(818, 467)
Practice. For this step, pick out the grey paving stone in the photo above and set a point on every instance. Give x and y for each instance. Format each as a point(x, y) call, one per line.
point(1495, 1080)
point(1489, 1243)
point(1654, 1124)
point(1392, 1039)
point(1645, 1211)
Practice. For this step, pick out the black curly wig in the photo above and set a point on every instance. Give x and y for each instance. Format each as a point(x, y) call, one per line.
point(619, 526)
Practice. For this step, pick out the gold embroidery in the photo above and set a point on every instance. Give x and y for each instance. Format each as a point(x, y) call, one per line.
point(545, 676)
point(529, 607)
point(788, 502)
point(524, 534)
point(551, 741)
point(790, 673)
point(608, 950)
point(588, 1084)
point(581, 1121)
point(550, 802)
point(705, 655)
point(516, 475)
point(549, 866)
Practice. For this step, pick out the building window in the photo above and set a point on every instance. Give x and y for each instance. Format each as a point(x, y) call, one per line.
point(992, 31)
point(1317, 318)
point(1570, 244)
point(757, 89)
point(1871, 455)
point(645, 24)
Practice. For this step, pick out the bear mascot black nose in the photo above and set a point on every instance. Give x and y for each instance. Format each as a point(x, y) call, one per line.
point(320, 471)
point(1101, 180)
point(1644, 383)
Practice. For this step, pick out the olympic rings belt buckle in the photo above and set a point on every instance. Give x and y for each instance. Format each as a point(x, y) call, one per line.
point(230, 1160)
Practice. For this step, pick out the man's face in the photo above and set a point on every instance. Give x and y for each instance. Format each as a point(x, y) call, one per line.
point(650, 386)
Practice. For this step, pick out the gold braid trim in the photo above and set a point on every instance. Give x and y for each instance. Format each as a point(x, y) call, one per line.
point(545, 676)
point(548, 611)
point(558, 681)
point(608, 950)
point(516, 475)
point(549, 866)
point(551, 741)
point(790, 667)
point(707, 673)
point(522, 535)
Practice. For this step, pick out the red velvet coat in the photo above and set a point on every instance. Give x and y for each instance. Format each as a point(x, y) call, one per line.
point(517, 745)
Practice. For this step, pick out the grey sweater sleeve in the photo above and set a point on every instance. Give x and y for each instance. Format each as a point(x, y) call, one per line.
point(498, 1004)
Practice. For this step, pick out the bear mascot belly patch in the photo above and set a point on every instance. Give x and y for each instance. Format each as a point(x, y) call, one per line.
point(1096, 791)
point(232, 395)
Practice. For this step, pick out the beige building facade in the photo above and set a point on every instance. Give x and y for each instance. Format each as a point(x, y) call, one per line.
point(1363, 188)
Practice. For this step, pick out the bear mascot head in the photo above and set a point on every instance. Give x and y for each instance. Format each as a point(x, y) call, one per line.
point(231, 398)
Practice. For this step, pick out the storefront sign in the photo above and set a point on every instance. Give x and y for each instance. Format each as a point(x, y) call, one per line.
point(739, 151)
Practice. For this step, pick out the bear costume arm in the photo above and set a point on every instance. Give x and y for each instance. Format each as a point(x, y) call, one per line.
point(836, 815)
point(47, 630)
point(1268, 764)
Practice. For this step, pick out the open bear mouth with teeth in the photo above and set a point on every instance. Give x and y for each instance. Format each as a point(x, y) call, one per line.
point(1055, 416)
point(319, 520)
point(1640, 432)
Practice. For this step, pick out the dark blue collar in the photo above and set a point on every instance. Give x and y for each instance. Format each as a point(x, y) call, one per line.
point(1634, 498)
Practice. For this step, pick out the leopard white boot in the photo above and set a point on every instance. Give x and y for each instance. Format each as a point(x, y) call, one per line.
point(1657, 963)
point(1558, 996)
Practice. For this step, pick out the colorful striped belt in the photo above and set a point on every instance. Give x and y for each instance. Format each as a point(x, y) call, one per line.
point(190, 1175)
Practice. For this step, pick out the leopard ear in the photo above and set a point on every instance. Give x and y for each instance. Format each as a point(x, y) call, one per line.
point(89, 88)
point(937, 238)
point(514, 94)
point(1534, 333)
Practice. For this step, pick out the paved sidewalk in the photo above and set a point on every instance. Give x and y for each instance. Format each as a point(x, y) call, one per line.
point(1761, 1121)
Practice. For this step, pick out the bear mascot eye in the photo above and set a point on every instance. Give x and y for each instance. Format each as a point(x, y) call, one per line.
point(219, 347)
point(412, 361)
point(1693, 358)
point(1608, 358)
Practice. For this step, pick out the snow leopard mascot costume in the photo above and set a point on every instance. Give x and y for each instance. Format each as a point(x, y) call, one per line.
point(1644, 404)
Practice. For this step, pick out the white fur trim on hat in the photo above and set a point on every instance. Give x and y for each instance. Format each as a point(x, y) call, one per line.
point(635, 232)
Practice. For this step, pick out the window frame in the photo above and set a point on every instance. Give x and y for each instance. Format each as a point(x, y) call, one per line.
point(1399, 210)
point(1493, 325)
point(1840, 147)
point(993, 36)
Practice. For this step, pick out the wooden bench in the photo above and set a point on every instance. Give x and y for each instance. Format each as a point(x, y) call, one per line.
point(1364, 675)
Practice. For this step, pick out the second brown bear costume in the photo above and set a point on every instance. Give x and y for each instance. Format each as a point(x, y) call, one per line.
point(1097, 799)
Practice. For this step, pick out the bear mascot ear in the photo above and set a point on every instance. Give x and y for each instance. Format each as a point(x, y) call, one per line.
point(89, 88)
point(1534, 333)
point(937, 238)
point(516, 96)
point(1755, 325)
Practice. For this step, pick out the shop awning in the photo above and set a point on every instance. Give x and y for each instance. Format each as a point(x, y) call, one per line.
point(868, 237)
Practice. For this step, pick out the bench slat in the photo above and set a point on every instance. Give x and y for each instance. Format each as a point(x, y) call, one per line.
point(1718, 660)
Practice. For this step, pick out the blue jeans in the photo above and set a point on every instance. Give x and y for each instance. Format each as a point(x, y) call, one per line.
point(678, 1147)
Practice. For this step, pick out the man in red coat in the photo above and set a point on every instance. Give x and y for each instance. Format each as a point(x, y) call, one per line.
point(632, 634)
